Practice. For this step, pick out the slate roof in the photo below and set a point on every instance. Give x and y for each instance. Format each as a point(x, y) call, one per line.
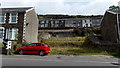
point(22, 9)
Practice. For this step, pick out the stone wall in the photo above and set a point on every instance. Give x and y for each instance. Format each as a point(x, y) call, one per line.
point(46, 35)
point(108, 27)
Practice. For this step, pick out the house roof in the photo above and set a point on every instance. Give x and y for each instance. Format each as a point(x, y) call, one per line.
point(22, 9)
point(76, 19)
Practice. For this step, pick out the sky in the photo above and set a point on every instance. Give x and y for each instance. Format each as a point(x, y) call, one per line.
point(70, 7)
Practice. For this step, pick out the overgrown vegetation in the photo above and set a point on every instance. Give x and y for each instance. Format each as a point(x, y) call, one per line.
point(71, 50)
point(113, 50)
point(79, 31)
point(1, 45)
point(79, 46)
point(68, 41)
point(87, 31)
point(73, 46)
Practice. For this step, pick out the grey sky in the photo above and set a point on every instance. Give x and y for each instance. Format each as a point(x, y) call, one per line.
point(81, 7)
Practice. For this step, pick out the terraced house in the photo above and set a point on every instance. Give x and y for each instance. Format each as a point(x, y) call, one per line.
point(70, 22)
point(19, 24)
point(65, 27)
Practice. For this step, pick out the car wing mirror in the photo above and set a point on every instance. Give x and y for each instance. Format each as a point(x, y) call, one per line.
point(26, 45)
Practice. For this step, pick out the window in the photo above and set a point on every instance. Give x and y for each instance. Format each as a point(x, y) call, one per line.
point(98, 20)
point(85, 20)
point(56, 23)
point(11, 33)
point(86, 25)
point(42, 24)
point(66, 25)
point(47, 45)
point(13, 18)
point(38, 44)
point(52, 25)
point(46, 24)
point(74, 24)
point(1, 32)
point(90, 25)
point(62, 21)
point(2, 18)
point(69, 23)
point(32, 44)
point(90, 20)
point(78, 24)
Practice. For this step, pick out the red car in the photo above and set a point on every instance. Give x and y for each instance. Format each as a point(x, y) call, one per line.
point(34, 48)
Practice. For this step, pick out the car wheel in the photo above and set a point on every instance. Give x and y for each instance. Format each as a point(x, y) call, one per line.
point(21, 52)
point(41, 53)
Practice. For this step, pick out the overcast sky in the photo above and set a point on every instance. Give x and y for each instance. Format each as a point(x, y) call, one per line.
point(77, 7)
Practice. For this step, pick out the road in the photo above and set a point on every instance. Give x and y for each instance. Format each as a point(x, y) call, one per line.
point(58, 60)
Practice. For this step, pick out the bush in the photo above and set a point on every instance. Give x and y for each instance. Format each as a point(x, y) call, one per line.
point(87, 31)
point(16, 45)
point(79, 31)
point(24, 43)
point(97, 31)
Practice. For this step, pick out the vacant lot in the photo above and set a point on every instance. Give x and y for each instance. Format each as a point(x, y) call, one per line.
point(73, 46)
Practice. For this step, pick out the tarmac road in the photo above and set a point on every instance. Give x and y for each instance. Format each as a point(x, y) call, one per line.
point(58, 60)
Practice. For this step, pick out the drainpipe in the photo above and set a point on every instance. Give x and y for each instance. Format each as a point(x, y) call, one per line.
point(118, 28)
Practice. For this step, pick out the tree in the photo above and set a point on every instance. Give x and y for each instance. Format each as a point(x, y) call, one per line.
point(114, 7)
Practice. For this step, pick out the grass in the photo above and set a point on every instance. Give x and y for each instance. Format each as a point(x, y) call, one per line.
point(115, 54)
point(69, 41)
point(76, 46)
point(73, 46)
point(75, 51)
point(66, 39)
point(1, 45)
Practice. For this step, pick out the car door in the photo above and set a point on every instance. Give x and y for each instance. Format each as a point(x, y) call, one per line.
point(25, 49)
point(34, 48)
point(38, 47)
point(41, 46)
point(30, 48)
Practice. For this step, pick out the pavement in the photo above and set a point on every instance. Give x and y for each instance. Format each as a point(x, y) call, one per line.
point(59, 60)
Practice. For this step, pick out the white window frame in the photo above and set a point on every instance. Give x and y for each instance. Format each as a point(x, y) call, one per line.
point(10, 18)
point(4, 19)
point(42, 23)
point(8, 33)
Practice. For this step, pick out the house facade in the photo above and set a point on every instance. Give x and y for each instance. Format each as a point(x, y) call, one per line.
point(110, 26)
point(19, 24)
point(65, 27)
point(70, 23)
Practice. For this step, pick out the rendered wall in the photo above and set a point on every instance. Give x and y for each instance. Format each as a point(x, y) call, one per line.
point(31, 29)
